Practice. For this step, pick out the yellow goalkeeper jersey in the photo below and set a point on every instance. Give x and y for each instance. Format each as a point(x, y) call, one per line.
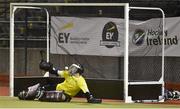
point(72, 84)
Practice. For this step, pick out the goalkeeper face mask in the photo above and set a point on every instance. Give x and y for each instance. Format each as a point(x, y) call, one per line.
point(74, 69)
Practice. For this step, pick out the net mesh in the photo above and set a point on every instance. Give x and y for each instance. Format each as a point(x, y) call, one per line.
point(145, 59)
point(30, 39)
point(145, 62)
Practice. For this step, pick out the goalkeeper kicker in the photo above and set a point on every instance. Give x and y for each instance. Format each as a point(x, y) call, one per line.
point(73, 83)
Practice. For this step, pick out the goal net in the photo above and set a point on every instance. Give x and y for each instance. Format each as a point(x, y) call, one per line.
point(95, 35)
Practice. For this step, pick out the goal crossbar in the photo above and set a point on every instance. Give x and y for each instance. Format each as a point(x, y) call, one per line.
point(68, 4)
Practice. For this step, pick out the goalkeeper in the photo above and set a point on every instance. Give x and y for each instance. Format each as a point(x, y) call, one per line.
point(73, 83)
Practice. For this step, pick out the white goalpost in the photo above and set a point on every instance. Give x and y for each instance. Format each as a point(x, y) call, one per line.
point(38, 6)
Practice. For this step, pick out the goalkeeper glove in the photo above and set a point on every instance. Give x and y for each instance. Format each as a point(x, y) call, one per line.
point(48, 66)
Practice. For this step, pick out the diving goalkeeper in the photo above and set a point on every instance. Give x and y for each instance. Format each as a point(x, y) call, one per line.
point(73, 83)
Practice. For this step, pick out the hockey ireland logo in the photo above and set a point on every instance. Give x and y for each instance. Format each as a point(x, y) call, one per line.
point(152, 37)
point(138, 37)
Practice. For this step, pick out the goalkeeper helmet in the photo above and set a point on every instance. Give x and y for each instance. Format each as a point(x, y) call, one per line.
point(76, 68)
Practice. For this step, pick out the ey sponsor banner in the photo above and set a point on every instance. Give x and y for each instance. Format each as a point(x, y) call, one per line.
point(105, 36)
point(86, 36)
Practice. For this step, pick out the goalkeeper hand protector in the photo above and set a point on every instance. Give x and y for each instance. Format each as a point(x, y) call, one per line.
point(48, 66)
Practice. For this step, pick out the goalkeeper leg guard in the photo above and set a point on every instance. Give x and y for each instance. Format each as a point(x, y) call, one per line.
point(54, 96)
point(30, 94)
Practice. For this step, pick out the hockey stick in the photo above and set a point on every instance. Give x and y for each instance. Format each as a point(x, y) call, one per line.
point(43, 55)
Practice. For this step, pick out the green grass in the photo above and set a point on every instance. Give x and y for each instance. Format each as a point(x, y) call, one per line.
point(13, 102)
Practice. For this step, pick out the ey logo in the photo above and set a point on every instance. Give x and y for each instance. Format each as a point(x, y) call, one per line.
point(63, 37)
